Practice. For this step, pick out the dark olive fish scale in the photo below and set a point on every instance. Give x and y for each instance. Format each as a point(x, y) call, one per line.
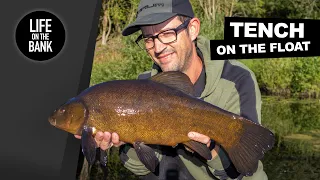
point(155, 114)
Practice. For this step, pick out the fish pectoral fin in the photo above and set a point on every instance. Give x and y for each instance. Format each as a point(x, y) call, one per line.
point(199, 148)
point(146, 155)
point(103, 158)
point(88, 145)
point(175, 79)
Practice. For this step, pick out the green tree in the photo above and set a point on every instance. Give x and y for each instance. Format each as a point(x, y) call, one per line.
point(249, 8)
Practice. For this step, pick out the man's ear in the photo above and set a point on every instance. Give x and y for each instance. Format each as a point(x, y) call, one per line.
point(194, 28)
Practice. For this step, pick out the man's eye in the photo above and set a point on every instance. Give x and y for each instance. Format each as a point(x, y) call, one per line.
point(148, 40)
point(167, 34)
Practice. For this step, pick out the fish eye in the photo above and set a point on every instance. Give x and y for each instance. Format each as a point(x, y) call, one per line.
point(62, 110)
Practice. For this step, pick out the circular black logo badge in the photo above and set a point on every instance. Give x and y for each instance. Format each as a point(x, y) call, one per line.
point(40, 35)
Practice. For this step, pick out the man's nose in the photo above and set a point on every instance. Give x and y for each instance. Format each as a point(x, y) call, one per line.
point(158, 45)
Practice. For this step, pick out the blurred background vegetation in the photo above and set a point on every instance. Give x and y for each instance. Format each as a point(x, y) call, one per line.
point(118, 57)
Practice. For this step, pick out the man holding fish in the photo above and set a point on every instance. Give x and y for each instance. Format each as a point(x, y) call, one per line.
point(170, 36)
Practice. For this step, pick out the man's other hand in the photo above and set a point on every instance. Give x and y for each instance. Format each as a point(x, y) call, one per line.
point(106, 140)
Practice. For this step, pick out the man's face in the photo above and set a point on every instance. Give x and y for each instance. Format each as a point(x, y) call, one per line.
point(175, 56)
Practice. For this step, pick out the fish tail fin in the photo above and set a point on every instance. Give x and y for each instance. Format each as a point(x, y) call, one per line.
point(251, 147)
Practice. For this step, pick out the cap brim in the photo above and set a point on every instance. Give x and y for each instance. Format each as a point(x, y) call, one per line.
point(151, 19)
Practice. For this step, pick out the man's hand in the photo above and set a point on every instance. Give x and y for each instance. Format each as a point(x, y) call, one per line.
point(205, 140)
point(106, 140)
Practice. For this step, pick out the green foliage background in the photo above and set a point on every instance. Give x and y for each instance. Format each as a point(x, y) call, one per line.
point(290, 77)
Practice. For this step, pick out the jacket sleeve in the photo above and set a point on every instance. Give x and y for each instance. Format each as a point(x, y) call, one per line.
point(245, 100)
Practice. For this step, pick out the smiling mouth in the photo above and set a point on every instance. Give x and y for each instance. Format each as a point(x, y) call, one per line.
point(164, 55)
point(164, 59)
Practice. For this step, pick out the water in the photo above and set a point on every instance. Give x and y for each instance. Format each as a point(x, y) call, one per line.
point(296, 124)
point(296, 155)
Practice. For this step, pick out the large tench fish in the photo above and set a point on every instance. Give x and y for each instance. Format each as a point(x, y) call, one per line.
point(161, 111)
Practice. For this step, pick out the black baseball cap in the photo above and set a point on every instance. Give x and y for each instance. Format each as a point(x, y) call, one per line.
point(151, 12)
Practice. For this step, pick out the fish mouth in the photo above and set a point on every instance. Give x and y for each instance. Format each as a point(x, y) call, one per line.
point(53, 121)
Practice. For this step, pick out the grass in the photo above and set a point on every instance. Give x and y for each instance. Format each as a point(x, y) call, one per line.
point(108, 52)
